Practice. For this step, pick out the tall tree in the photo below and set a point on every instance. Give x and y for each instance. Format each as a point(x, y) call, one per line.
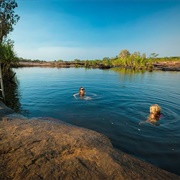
point(8, 18)
point(124, 54)
point(7, 57)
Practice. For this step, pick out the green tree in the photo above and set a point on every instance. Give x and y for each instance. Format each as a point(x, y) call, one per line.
point(124, 54)
point(144, 55)
point(77, 60)
point(7, 57)
point(8, 18)
point(106, 58)
point(136, 54)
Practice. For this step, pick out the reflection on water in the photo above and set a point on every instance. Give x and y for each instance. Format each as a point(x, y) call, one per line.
point(12, 94)
point(130, 72)
point(122, 102)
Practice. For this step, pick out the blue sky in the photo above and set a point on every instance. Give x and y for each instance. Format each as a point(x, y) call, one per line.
point(93, 29)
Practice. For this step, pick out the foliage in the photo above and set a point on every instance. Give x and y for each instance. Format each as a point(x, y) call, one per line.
point(8, 18)
point(124, 54)
point(107, 62)
point(77, 60)
point(59, 60)
point(133, 61)
point(7, 57)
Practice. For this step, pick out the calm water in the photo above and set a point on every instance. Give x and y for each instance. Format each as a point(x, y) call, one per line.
point(120, 101)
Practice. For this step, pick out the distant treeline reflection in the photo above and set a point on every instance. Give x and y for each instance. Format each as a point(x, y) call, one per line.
point(126, 71)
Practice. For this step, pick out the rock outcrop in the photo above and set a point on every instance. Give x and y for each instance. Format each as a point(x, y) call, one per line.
point(167, 66)
point(51, 149)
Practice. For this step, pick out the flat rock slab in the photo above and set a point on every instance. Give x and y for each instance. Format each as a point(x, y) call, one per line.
point(51, 149)
point(167, 66)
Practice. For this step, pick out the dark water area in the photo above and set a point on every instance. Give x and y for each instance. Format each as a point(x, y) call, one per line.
point(117, 106)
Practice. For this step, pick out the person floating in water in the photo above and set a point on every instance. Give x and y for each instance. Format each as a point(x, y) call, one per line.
point(155, 113)
point(154, 116)
point(82, 95)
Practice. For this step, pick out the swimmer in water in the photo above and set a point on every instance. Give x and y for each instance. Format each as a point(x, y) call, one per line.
point(155, 113)
point(81, 94)
point(154, 116)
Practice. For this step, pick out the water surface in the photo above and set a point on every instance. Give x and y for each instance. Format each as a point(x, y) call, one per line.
point(120, 103)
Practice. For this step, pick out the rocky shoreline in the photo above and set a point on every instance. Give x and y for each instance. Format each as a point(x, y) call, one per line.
point(167, 66)
point(45, 148)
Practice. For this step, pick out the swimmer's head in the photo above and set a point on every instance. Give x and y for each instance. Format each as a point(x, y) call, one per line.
point(155, 109)
point(81, 91)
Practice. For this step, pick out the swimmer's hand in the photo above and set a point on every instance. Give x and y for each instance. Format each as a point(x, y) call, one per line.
point(87, 98)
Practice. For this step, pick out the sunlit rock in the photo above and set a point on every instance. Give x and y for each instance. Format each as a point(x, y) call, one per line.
point(45, 148)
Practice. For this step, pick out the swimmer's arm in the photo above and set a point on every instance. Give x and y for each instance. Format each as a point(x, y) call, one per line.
point(75, 95)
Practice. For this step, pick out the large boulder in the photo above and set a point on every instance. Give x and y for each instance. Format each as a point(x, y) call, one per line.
point(51, 149)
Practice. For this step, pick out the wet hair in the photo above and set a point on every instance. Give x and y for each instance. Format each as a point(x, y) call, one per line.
point(155, 109)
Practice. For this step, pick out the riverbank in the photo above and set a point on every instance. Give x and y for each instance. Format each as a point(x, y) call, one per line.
point(46, 148)
point(159, 65)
